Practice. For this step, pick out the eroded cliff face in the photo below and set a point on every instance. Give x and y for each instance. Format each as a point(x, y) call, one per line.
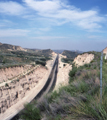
point(83, 59)
point(15, 90)
point(11, 72)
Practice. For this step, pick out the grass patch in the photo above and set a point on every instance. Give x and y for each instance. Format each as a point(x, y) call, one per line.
point(31, 113)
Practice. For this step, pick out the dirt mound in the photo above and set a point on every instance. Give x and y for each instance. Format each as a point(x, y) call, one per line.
point(83, 59)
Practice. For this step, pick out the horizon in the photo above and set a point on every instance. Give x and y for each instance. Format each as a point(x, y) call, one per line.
point(54, 24)
point(53, 49)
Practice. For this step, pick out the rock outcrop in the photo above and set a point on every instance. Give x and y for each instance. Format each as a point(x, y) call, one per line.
point(105, 50)
point(83, 59)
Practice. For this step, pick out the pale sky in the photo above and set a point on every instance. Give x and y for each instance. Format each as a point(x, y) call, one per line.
point(55, 24)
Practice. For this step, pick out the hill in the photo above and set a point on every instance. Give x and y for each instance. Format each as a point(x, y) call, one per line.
point(11, 55)
point(45, 52)
point(58, 51)
point(70, 54)
point(61, 51)
point(11, 47)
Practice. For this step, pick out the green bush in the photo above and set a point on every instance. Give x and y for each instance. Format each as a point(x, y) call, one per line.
point(6, 85)
point(31, 113)
point(64, 65)
point(66, 60)
point(41, 62)
point(83, 87)
point(52, 96)
point(73, 71)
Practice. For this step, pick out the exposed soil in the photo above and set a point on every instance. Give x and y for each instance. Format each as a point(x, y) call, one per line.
point(85, 58)
point(63, 73)
point(11, 72)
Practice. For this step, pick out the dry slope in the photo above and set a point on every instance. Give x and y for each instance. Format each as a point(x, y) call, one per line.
point(83, 59)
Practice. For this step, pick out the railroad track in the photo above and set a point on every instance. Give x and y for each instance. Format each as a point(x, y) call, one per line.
point(50, 84)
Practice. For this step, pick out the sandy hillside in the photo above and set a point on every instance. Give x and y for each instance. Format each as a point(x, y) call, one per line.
point(63, 73)
point(83, 59)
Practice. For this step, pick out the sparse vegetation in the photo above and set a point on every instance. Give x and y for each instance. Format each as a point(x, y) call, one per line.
point(67, 60)
point(70, 54)
point(31, 113)
point(17, 58)
point(81, 98)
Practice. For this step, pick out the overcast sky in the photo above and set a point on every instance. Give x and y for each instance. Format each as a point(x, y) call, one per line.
point(56, 24)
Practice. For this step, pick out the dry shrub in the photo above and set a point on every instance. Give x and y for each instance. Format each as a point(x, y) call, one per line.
point(59, 106)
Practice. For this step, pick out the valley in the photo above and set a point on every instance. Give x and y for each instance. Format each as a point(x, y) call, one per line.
point(58, 83)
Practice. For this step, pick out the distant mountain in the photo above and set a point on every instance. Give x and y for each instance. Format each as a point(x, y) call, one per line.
point(11, 47)
point(70, 54)
point(45, 52)
point(61, 51)
point(77, 51)
point(32, 49)
point(58, 51)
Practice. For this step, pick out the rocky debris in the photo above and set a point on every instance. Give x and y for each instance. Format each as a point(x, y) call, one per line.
point(83, 59)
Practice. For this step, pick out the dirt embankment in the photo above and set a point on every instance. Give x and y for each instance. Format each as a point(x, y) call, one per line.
point(83, 59)
point(11, 72)
point(15, 90)
point(63, 73)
